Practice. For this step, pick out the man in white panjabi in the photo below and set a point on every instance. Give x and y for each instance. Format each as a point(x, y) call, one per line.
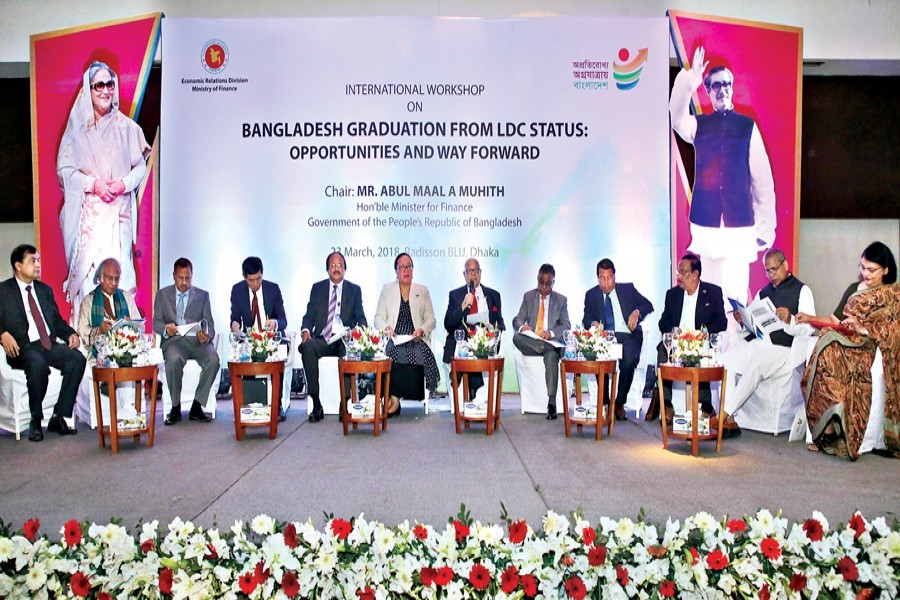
point(101, 163)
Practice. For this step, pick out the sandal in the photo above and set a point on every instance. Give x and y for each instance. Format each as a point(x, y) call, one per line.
point(812, 447)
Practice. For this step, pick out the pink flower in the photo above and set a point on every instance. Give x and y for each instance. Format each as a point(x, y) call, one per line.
point(30, 529)
point(479, 577)
point(575, 588)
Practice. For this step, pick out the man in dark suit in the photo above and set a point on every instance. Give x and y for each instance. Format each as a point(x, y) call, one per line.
point(470, 299)
point(328, 298)
point(620, 308)
point(181, 304)
point(691, 304)
point(545, 313)
point(256, 302)
point(30, 330)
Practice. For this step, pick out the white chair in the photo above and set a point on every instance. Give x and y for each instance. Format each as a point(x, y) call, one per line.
point(15, 415)
point(533, 384)
point(329, 387)
point(190, 380)
point(86, 409)
point(291, 337)
point(772, 406)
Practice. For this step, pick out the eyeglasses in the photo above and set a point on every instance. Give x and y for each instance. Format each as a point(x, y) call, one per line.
point(336, 265)
point(719, 85)
point(869, 270)
point(404, 267)
point(683, 272)
point(548, 283)
point(473, 271)
point(772, 270)
point(109, 85)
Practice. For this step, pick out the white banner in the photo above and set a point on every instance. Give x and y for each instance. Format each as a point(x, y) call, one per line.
point(518, 142)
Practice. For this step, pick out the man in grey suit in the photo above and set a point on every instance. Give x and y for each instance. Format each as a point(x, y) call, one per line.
point(546, 315)
point(180, 304)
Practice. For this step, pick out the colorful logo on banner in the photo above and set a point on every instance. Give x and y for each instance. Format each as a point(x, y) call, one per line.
point(627, 69)
point(215, 56)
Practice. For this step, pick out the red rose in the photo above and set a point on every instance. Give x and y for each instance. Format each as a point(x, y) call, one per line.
point(30, 529)
point(355, 334)
point(798, 582)
point(596, 555)
point(247, 582)
point(847, 568)
point(260, 573)
point(509, 580)
point(695, 556)
point(165, 581)
point(103, 596)
point(858, 525)
point(588, 535)
point(341, 528)
point(813, 530)
point(764, 593)
point(72, 533)
point(443, 576)
point(736, 526)
point(717, 560)
point(667, 588)
point(420, 531)
point(575, 588)
point(375, 339)
point(426, 576)
point(290, 585)
point(770, 548)
point(80, 584)
point(365, 594)
point(518, 531)
point(622, 575)
point(529, 585)
point(479, 577)
point(290, 536)
point(147, 545)
point(462, 531)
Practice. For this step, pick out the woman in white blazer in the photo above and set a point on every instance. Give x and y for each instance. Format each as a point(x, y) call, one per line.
point(404, 308)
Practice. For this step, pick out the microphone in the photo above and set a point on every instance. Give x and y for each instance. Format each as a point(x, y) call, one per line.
point(471, 291)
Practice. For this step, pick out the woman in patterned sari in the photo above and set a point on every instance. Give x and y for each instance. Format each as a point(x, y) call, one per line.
point(838, 382)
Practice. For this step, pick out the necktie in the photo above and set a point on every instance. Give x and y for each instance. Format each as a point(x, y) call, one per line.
point(610, 324)
point(332, 307)
point(179, 309)
point(108, 307)
point(38, 319)
point(539, 327)
point(474, 308)
point(254, 312)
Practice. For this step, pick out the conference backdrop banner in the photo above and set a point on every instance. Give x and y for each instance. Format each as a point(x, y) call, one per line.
point(733, 200)
point(75, 229)
point(517, 142)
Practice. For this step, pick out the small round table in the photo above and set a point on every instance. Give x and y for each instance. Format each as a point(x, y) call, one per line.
point(693, 376)
point(382, 372)
point(465, 367)
point(599, 369)
point(112, 376)
point(238, 371)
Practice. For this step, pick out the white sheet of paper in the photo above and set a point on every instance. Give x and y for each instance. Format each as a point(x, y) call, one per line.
point(399, 340)
point(551, 341)
point(137, 324)
point(481, 317)
point(335, 336)
point(187, 329)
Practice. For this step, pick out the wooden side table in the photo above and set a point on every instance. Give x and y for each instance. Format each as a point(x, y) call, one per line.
point(464, 367)
point(596, 368)
point(112, 376)
point(693, 376)
point(382, 371)
point(239, 370)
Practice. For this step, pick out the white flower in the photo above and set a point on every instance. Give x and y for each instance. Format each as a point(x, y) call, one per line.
point(890, 545)
point(7, 549)
point(704, 521)
point(148, 531)
point(555, 523)
point(763, 525)
point(490, 534)
point(262, 525)
point(727, 583)
point(833, 580)
point(625, 530)
point(880, 525)
point(822, 520)
point(37, 577)
point(383, 538)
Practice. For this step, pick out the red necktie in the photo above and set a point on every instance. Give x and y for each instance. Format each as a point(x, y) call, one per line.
point(474, 309)
point(38, 319)
point(254, 312)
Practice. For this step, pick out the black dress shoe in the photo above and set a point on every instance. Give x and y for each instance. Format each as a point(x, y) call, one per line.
point(35, 433)
point(58, 425)
point(281, 415)
point(620, 413)
point(174, 416)
point(197, 414)
point(396, 413)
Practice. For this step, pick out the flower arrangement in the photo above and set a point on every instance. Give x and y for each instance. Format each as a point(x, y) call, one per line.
point(689, 346)
point(123, 345)
point(760, 556)
point(263, 344)
point(366, 342)
point(483, 340)
point(593, 343)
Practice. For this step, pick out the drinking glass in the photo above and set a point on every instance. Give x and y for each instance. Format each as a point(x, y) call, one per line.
point(667, 342)
point(100, 346)
point(337, 325)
